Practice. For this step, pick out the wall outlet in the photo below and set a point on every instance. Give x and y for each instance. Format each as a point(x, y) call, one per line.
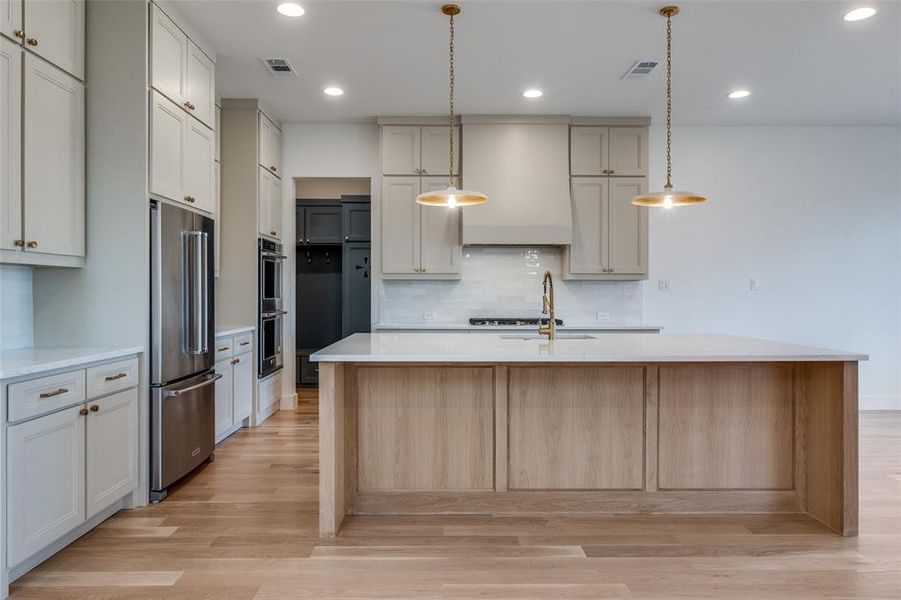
point(602, 316)
point(753, 284)
point(663, 285)
point(428, 316)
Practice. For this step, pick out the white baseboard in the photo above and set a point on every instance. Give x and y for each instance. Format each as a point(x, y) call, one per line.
point(879, 402)
point(289, 402)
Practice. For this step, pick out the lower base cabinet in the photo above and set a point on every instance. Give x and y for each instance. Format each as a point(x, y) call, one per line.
point(66, 467)
point(234, 393)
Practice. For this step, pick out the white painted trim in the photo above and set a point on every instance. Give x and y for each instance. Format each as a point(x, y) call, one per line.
point(879, 402)
point(506, 119)
point(289, 401)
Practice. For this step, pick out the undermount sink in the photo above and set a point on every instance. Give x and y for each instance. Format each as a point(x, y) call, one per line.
point(537, 336)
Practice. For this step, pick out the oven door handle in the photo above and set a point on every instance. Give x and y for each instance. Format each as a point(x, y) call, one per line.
point(273, 255)
point(269, 315)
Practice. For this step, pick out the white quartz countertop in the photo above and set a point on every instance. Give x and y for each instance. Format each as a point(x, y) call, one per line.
point(19, 362)
point(526, 328)
point(227, 330)
point(608, 347)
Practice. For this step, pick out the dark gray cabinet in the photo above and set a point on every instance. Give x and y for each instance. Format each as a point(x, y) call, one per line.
point(319, 224)
point(357, 267)
point(356, 221)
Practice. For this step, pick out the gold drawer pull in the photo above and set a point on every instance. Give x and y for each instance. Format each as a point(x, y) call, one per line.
point(32, 244)
point(58, 392)
point(95, 408)
point(20, 34)
point(189, 198)
point(222, 349)
point(243, 343)
point(236, 361)
point(83, 412)
point(115, 377)
point(19, 243)
point(32, 41)
point(273, 233)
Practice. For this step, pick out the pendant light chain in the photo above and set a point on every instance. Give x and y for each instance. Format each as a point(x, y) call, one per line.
point(669, 99)
point(452, 82)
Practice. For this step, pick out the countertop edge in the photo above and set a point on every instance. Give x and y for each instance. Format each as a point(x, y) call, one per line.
point(494, 359)
point(493, 328)
point(84, 356)
point(228, 330)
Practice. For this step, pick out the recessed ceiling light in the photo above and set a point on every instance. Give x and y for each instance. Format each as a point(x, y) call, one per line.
point(533, 93)
point(290, 9)
point(859, 14)
point(333, 91)
point(739, 94)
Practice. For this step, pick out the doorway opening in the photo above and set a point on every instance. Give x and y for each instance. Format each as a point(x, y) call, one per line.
point(333, 267)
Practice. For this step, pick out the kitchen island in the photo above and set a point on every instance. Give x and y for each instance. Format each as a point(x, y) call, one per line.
point(514, 424)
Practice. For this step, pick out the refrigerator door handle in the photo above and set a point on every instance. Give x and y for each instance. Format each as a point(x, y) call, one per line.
point(208, 381)
point(205, 288)
point(196, 292)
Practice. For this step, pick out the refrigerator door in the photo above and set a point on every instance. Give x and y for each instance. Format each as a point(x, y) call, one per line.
point(181, 293)
point(182, 428)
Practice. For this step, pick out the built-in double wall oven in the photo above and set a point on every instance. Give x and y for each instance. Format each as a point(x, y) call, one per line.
point(272, 310)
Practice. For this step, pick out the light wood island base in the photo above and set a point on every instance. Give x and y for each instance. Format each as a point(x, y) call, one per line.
point(588, 439)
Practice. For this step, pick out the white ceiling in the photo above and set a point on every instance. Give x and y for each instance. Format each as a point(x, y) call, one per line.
point(802, 61)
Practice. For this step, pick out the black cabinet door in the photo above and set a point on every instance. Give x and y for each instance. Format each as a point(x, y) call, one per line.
point(300, 228)
point(356, 222)
point(323, 225)
point(355, 294)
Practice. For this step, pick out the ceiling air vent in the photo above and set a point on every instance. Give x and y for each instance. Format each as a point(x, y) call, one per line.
point(640, 69)
point(279, 67)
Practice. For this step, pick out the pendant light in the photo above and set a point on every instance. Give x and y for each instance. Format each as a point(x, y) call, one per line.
point(451, 197)
point(669, 197)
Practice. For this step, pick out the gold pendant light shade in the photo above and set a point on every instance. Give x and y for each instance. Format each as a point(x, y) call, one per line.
point(451, 197)
point(669, 197)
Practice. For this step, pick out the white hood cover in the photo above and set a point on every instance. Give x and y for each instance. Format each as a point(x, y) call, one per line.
point(523, 167)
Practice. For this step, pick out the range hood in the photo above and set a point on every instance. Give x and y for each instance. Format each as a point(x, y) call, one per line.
point(522, 164)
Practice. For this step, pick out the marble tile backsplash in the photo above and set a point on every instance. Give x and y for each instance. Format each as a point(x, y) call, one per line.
point(16, 307)
point(506, 282)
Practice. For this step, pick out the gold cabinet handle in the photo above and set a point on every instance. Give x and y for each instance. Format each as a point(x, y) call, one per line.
point(189, 199)
point(95, 408)
point(58, 392)
point(20, 34)
point(115, 377)
point(32, 41)
point(32, 244)
point(236, 361)
point(244, 343)
point(610, 270)
point(83, 412)
point(190, 105)
point(273, 233)
point(274, 168)
point(19, 243)
point(611, 171)
point(223, 348)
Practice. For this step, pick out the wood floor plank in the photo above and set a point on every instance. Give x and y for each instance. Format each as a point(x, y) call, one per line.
point(246, 527)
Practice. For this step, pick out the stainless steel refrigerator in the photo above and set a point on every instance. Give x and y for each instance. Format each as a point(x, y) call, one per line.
point(182, 394)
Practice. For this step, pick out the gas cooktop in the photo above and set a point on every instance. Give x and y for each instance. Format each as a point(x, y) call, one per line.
point(510, 321)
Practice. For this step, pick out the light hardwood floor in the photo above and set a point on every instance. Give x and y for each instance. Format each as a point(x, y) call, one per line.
point(246, 527)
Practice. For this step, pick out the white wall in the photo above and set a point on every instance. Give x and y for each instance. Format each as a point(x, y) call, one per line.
point(813, 213)
point(16, 307)
point(322, 150)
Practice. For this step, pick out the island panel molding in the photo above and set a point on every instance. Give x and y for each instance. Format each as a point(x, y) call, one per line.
point(425, 428)
point(576, 428)
point(586, 427)
point(726, 427)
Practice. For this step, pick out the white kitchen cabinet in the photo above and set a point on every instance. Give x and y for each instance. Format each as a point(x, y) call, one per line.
point(417, 150)
point(270, 145)
point(270, 207)
point(45, 480)
point(613, 151)
point(218, 134)
point(418, 241)
point(217, 224)
point(199, 170)
point(201, 86)
point(440, 248)
point(225, 416)
point(182, 156)
point(168, 57)
point(11, 18)
point(53, 160)
point(401, 224)
point(54, 30)
point(10, 144)
point(111, 449)
point(610, 234)
point(242, 390)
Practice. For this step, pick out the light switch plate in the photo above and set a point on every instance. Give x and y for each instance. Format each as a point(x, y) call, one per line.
point(663, 285)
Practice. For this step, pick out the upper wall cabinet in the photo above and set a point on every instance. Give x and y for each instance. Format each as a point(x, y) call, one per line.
point(182, 156)
point(53, 162)
point(269, 218)
point(417, 150)
point(54, 30)
point(608, 151)
point(270, 146)
point(10, 145)
point(11, 19)
point(180, 70)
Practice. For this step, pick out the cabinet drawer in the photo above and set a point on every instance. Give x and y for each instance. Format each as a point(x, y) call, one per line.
point(112, 377)
point(224, 347)
point(39, 396)
point(243, 343)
